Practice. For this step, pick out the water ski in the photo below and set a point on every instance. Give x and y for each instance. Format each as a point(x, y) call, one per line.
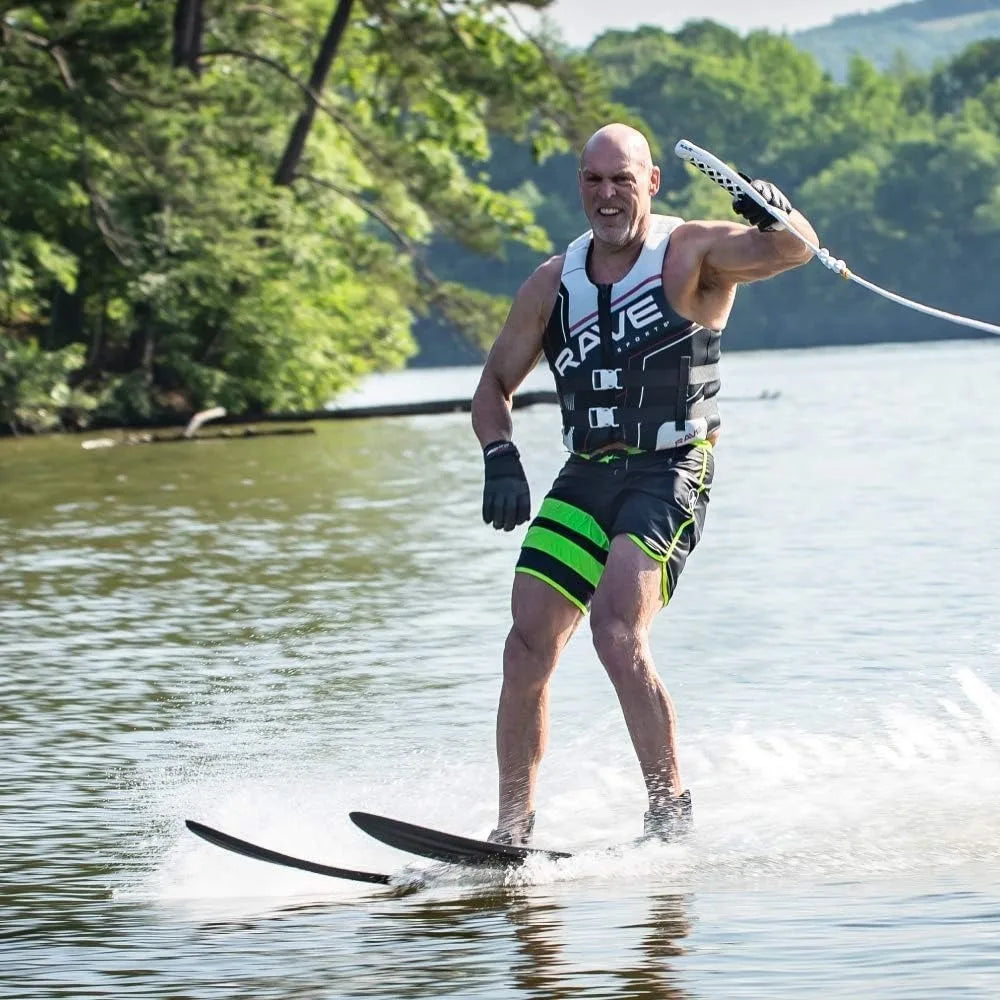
point(448, 847)
point(230, 843)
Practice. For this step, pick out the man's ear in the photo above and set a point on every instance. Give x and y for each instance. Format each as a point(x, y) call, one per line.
point(654, 181)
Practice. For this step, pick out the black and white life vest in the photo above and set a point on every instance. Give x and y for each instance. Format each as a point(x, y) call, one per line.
point(628, 369)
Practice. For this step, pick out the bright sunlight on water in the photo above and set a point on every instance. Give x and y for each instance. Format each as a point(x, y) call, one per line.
point(263, 635)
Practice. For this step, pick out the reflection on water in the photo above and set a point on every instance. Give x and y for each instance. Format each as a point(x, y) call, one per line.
point(266, 634)
point(532, 936)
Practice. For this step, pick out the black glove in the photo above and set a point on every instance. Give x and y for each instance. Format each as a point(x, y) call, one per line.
point(757, 216)
point(506, 500)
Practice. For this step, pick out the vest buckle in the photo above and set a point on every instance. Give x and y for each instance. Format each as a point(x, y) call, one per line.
point(605, 378)
point(602, 416)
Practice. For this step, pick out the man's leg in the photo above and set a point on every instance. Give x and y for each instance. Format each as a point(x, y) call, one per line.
point(625, 603)
point(543, 621)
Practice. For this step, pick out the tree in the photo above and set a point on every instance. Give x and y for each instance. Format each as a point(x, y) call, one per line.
point(967, 75)
point(140, 221)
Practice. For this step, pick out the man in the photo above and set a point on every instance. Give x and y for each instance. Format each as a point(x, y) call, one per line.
point(629, 318)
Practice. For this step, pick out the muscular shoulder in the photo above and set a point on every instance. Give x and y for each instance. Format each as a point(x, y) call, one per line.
point(544, 280)
point(540, 289)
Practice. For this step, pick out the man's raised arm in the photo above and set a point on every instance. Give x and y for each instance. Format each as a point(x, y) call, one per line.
point(737, 254)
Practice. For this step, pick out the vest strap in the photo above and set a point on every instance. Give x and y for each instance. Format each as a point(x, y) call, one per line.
point(683, 381)
point(618, 416)
point(603, 379)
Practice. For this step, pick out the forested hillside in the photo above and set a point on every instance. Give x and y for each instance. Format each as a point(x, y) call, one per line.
point(235, 205)
point(920, 33)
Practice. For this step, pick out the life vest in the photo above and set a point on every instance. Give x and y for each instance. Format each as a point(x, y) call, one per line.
point(628, 369)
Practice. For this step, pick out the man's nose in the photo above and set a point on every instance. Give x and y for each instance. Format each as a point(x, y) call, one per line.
point(606, 189)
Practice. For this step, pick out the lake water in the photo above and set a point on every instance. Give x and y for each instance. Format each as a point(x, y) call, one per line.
point(265, 634)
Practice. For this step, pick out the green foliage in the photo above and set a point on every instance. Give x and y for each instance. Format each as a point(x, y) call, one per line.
point(965, 76)
point(139, 220)
point(34, 394)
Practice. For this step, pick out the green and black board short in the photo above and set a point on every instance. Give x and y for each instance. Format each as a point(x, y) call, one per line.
point(657, 498)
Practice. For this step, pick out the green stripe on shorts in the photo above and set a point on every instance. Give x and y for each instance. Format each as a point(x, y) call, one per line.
point(568, 553)
point(575, 519)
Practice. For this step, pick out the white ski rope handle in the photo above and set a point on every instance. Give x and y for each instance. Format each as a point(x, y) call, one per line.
point(727, 178)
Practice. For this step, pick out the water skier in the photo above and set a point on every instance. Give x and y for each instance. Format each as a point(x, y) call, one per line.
point(629, 318)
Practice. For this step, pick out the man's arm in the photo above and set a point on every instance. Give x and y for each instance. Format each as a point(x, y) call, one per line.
point(765, 248)
point(709, 260)
point(736, 254)
point(514, 354)
point(506, 497)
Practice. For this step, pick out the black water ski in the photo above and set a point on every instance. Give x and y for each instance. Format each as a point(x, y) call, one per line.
point(447, 847)
point(244, 847)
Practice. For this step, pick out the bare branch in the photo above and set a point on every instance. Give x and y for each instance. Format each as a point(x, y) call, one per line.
point(46, 45)
point(340, 118)
point(266, 61)
point(362, 142)
point(400, 239)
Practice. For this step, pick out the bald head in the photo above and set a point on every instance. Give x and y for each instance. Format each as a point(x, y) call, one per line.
point(617, 184)
point(622, 140)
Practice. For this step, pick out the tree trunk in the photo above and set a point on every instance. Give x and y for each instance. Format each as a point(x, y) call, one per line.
point(189, 21)
point(285, 173)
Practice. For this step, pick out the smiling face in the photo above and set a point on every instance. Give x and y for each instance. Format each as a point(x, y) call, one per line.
point(617, 184)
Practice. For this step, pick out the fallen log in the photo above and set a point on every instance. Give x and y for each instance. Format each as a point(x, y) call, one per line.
point(192, 431)
point(463, 405)
point(223, 434)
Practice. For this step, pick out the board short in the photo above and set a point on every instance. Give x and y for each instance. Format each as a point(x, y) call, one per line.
point(656, 498)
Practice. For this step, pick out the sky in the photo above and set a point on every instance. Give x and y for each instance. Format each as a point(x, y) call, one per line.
point(581, 20)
